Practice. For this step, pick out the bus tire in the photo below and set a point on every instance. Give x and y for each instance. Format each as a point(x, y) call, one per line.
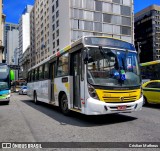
point(35, 98)
point(64, 105)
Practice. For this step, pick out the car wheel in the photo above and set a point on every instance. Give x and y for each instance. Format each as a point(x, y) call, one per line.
point(64, 105)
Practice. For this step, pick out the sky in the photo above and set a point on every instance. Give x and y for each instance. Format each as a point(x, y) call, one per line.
point(14, 8)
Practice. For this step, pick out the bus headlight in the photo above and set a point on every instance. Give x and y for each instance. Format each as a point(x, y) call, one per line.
point(92, 92)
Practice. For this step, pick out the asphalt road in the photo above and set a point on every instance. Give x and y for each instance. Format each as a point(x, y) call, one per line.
point(23, 121)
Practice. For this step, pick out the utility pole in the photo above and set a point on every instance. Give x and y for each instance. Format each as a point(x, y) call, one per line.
point(139, 49)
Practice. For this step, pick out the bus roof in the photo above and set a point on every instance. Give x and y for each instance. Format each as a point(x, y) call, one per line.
point(150, 63)
point(79, 41)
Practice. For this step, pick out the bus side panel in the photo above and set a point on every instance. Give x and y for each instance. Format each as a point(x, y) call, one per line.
point(64, 84)
point(30, 90)
point(43, 89)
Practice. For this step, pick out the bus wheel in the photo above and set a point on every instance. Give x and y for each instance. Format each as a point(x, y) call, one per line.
point(35, 98)
point(64, 105)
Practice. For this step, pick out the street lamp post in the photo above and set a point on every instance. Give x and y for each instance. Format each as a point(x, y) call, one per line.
point(139, 49)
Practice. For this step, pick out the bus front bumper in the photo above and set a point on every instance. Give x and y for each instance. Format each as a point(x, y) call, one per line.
point(6, 99)
point(95, 107)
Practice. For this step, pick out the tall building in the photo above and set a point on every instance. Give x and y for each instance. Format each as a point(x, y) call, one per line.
point(24, 34)
point(2, 22)
point(8, 27)
point(60, 22)
point(32, 38)
point(147, 33)
point(12, 45)
point(42, 44)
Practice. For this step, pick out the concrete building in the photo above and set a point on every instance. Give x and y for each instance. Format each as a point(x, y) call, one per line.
point(60, 22)
point(2, 22)
point(32, 38)
point(24, 34)
point(42, 30)
point(12, 45)
point(26, 62)
point(8, 27)
point(147, 33)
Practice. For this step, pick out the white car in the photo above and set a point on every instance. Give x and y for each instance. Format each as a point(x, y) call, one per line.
point(23, 90)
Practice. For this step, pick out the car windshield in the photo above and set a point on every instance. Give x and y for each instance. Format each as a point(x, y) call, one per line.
point(24, 87)
point(108, 67)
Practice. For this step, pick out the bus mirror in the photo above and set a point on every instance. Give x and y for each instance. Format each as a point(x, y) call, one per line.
point(87, 58)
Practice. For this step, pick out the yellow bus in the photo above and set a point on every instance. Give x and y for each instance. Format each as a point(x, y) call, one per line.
point(93, 76)
point(150, 70)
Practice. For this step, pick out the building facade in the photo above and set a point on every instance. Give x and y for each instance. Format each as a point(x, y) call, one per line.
point(42, 44)
point(147, 33)
point(24, 34)
point(32, 38)
point(2, 22)
point(8, 27)
point(12, 45)
point(59, 23)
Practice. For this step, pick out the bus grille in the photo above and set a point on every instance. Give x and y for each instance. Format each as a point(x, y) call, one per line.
point(117, 96)
point(118, 99)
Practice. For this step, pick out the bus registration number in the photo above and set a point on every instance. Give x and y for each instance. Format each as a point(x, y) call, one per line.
point(122, 108)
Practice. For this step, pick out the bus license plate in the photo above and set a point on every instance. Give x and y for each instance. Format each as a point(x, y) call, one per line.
point(122, 108)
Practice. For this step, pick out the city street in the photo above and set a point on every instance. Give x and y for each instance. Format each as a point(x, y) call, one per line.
point(23, 121)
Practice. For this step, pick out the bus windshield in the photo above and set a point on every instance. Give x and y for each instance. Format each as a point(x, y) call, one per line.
point(113, 67)
point(4, 77)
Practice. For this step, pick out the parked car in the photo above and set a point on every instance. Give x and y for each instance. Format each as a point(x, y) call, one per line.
point(23, 90)
point(151, 92)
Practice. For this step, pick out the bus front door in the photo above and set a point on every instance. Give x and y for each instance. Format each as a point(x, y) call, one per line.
point(52, 76)
point(76, 80)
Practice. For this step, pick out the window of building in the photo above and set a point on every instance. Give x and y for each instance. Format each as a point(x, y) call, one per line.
point(116, 9)
point(98, 5)
point(98, 27)
point(88, 4)
point(107, 7)
point(107, 28)
point(88, 15)
point(127, 2)
point(77, 3)
point(57, 23)
point(57, 33)
point(98, 16)
point(53, 27)
point(57, 42)
point(126, 30)
point(57, 14)
point(57, 3)
point(125, 10)
point(88, 25)
point(117, 1)
point(126, 21)
point(53, 18)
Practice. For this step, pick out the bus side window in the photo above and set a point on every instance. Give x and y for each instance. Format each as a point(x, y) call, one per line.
point(46, 71)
